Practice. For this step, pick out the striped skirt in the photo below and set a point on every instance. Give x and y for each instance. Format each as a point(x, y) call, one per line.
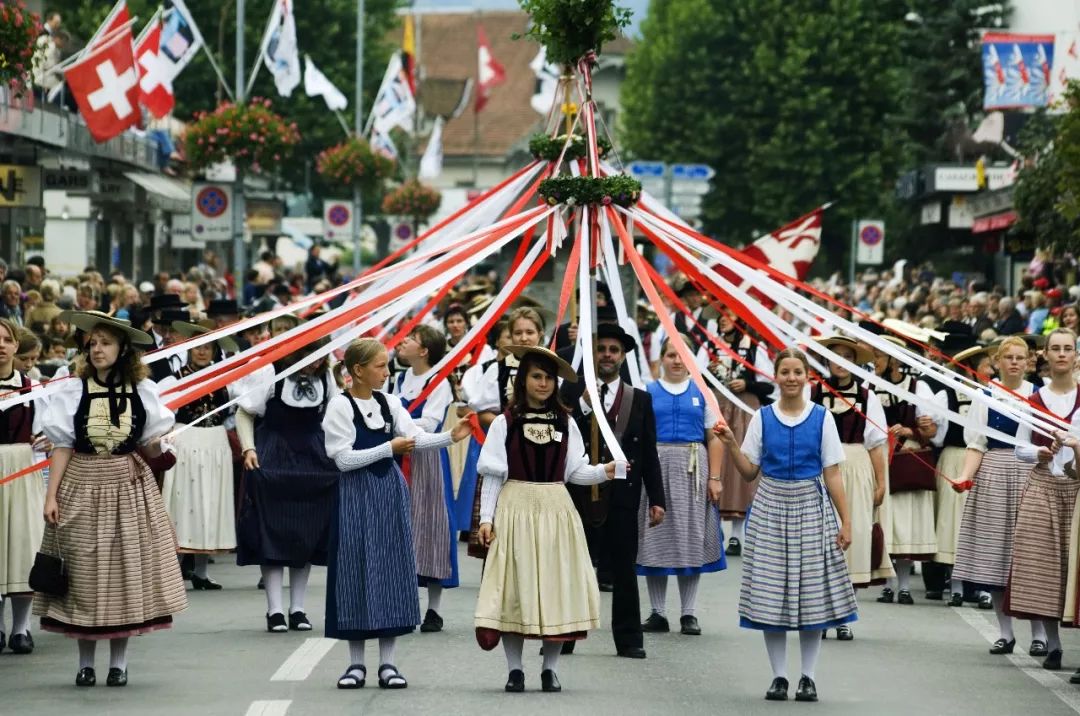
point(689, 540)
point(1040, 558)
point(371, 574)
point(985, 547)
point(738, 493)
point(794, 574)
point(22, 502)
point(118, 544)
point(858, 474)
point(198, 492)
point(948, 504)
point(434, 537)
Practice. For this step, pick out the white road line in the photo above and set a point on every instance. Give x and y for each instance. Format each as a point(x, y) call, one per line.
point(303, 661)
point(268, 708)
point(1057, 685)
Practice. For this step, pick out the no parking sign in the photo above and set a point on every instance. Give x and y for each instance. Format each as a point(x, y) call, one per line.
point(211, 211)
point(871, 241)
point(337, 219)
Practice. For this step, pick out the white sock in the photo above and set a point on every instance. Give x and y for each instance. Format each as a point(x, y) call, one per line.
point(903, 575)
point(386, 649)
point(356, 653)
point(1005, 622)
point(273, 578)
point(737, 524)
point(298, 579)
point(552, 650)
point(20, 614)
point(87, 648)
point(1038, 630)
point(776, 646)
point(657, 585)
point(957, 586)
point(1053, 638)
point(513, 645)
point(810, 646)
point(118, 653)
point(434, 597)
point(201, 560)
point(688, 585)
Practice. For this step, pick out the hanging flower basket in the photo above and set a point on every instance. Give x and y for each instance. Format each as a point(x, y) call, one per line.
point(251, 135)
point(354, 162)
point(618, 190)
point(541, 146)
point(412, 199)
point(571, 30)
point(19, 29)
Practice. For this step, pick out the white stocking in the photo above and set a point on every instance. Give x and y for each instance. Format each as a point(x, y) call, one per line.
point(386, 649)
point(903, 575)
point(1038, 631)
point(688, 586)
point(1005, 622)
point(20, 614)
point(657, 585)
point(513, 645)
point(552, 649)
point(810, 646)
point(737, 524)
point(1053, 639)
point(87, 648)
point(776, 646)
point(200, 562)
point(298, 578)
point(356, 653)
point(273, 578)
point(118, 653)
point(434, 597)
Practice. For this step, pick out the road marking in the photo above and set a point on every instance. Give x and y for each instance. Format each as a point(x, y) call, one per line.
point(303, 661)
point(268, 708)
point(1057, 685)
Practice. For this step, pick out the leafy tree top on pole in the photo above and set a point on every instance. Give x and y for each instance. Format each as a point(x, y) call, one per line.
point(571, 29)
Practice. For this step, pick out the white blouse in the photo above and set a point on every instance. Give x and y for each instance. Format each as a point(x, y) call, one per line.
point(1060, 405)
point(340, 432)
point(974, 435)
point(59, 423)
point(484, 393)
point(435, 405)
point(258, 388)
point(832, 450)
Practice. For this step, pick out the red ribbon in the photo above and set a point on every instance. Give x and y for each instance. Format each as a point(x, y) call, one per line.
point(23, 472)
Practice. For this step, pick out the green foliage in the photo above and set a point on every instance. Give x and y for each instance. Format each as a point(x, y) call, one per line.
point(617, 189)
point(251, 135)
point(569, 29)
point(541, 146)
point(413, 199)
point(354, 162)
point(1067, 151)
point(19, 29)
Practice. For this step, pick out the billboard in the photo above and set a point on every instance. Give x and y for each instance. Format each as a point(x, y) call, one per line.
point(1017, 70)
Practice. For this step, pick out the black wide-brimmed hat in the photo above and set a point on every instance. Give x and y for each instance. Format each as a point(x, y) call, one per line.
point(165, 300)
point(223, 307)
point(614, 330)
point(170, 316)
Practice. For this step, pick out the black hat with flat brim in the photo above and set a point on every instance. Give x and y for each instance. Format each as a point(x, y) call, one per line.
point(223, 307)
point(165, 300)
point(170, 316)
point(615, 331)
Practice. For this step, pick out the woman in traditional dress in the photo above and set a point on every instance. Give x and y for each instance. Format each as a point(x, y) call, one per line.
point(1044, 520)
point(290, 485)
point(689, 542)
point(860, 422)
point(105, 515)
point(198, 491)
point(538, 580)
point(794, 574)
point(22, 500)
point(996, 480)
point(371, 580)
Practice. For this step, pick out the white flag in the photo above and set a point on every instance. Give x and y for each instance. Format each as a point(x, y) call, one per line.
point(431, 162)
point(547, 82)
point(394, 105)
point(279, 51)
point(180, 40)
point(382, 143)
point(316, 83)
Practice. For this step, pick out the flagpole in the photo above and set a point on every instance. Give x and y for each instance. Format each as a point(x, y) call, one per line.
point(358, 207)
point(239, 262)
point(476, 121)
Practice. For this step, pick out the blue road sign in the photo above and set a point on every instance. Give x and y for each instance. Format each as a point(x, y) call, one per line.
point(644, 170)
point(692, 172)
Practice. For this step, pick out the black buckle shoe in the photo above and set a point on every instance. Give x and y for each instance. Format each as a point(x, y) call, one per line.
point(957, 600)
point(986, 602)
point(549, 682)
point(198, 584)
point(734, 548)
point(656, 623)
point(904, 597)
point(844, 633)
point(275, 623)
point(22, 643)
point(298, 621)
point(887, 596)
point(1052, 662)
point(1003, 647)
point(86, 677)
point(515, 682)
point(807, 691)
point(116, 677)
point(778, 690)
point(1038, 648)
point(690, 626)
point(631, 652)
point(432, 622)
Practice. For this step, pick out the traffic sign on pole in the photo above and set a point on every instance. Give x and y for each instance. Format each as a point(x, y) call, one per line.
point(211, 211)
point(871, 241)
point(692, 172)
point(337, 219)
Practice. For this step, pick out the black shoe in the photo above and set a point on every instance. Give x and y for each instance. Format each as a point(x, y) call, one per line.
point(432, 622)
point(957, 600)
point(85, 677)
point(515, 683)
point(549, 682)
point(22, 643)
point(1075, 678)
point(276, 623)
point(198, 583)
point(887, 596)
point(606, 586)
point(734, 548)
point(690, 626)
point(934, 596)
point(986, 602)
point(116, 677)
point(904, 597)
point(631, 652)
point(778, 690)
point(1038, 648)
point(807, 691)
point(298, 621)
point(844, 633)
point(1052, 662)
point(656, 623)
point(1003, 647)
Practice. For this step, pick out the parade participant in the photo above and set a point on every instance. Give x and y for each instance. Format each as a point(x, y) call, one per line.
point(371, 575)
point(752, 388)
point(163, 327)
point(794, 574)
point(158, 304)
point(860, 422)
point(1038, 576)
point(689, 542)
point(27, 354)
point(105, 515)
point(463, 455)
point(21, 501)
point(996, 480)
point(610, 511)
point(223, 311)
point(290, 484)
point(198, 491)
point(432, 493)
point(538, 581)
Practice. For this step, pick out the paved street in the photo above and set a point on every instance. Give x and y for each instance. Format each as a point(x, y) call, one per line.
point(922, 659)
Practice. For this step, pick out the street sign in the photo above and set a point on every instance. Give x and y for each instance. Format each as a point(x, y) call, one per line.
point(211, 211)
point(337, 219)
point(180, 236)
point(692, 172)
point(643, 170)
point(871, 241)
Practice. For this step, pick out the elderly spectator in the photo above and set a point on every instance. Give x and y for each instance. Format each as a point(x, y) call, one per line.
point(977, 318)
point(1010, 322)
point(37, 318)
point(87, 297)
point(174, 286)
point(11, 302)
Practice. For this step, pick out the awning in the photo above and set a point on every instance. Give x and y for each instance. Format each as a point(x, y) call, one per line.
point(994, 222)
point(164, 192)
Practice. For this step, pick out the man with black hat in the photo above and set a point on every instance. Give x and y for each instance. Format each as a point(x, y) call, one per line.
point(610, 512)
point(224, 312)
point(158, 304)
point(163, 327)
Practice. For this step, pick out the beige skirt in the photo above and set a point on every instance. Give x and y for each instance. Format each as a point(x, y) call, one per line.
point(910, 533)
point(949, 504)
point(117, 542)
point(22, 502)
point(198, 492)
point(1071, 612)
point(538, 579)
point(858, 474)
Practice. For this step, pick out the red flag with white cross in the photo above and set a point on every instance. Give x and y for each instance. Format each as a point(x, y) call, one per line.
point(155, 89)
point(105, 85)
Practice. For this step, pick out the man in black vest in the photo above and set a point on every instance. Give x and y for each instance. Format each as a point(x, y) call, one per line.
point(611, 512)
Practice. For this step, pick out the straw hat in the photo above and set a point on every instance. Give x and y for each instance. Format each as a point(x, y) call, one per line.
point(188, 330)
point(89, 320)
point(862, 353)
point(972, 352)
point(563, 368)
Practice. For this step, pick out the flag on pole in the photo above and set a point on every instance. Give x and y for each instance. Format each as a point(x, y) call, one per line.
point(431, 162)
point(316, 84)
point(180, 40)
point(105, 85)
point(115, 20)
point(278, 49)
point(383, 144)
point(408, 53)
point(394, 104)
point(547, 82)
point(155, 86)
point(489, 72)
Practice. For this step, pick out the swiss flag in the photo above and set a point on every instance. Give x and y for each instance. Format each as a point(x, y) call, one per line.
point(116, 19)
point(489, 72)
point(105, 85)
point(155, 89)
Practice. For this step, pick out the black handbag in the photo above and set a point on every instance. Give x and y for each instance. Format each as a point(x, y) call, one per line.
point(49, 574)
